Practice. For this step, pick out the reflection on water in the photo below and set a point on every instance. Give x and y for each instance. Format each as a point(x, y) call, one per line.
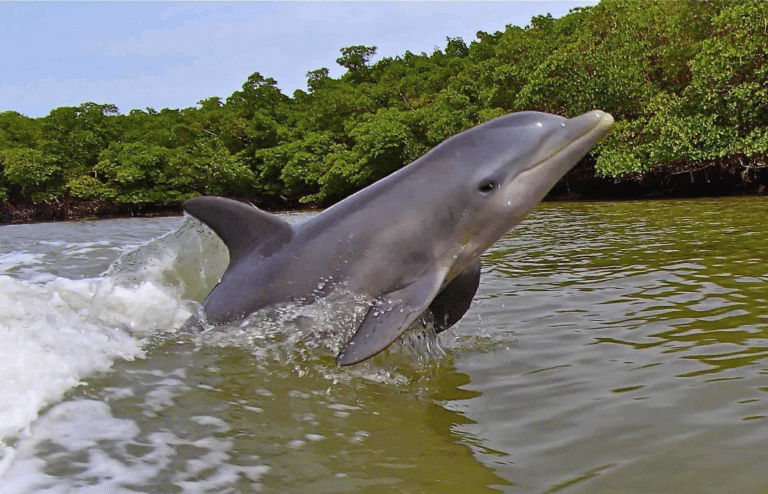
point(637, 357)
point(613, 347)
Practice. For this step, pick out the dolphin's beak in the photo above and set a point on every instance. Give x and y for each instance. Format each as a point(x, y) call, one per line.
point(567, 143)
point(587, 130)
point(577, 136)
point(565, 146)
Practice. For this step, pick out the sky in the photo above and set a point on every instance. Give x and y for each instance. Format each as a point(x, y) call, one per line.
point(172, 55)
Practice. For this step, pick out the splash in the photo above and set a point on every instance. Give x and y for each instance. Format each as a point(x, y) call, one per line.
point(306, 337)
point(54, 331)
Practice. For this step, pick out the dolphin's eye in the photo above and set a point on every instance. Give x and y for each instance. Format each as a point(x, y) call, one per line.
point(487, 186)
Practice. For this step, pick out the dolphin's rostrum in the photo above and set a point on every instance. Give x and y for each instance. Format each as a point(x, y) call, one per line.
point(411, 241)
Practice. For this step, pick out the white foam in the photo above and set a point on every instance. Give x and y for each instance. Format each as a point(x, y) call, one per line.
point(54, 334)
point(219, 424)
point(56, 331)
point(47, 344)
point(70, 426)
point(102, 444)
point(15, 259)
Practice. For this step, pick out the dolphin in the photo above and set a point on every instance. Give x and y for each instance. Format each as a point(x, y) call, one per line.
point(409, 243)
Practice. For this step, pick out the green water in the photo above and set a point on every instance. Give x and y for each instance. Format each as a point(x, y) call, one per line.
point(612, 348)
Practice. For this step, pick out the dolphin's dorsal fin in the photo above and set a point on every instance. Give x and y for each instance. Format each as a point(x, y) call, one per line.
point(243, 228)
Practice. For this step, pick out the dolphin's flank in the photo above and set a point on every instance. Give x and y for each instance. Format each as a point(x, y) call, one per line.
point(410, 242)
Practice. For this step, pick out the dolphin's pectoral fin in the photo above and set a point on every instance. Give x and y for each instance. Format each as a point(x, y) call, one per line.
point(454, 300)
point(389, 317)
point(243, 228)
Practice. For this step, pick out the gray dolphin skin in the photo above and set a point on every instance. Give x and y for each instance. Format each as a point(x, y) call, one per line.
point(410, 242)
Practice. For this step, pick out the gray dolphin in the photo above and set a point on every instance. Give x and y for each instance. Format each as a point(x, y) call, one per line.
point(410, 242)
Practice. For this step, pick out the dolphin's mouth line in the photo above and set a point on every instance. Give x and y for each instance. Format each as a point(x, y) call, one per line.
point(603, 121)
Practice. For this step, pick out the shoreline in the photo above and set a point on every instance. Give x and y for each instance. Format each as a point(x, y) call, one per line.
point(30, 214)
point(580, 184)
point(72, 209)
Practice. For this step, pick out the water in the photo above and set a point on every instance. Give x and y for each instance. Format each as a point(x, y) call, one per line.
point(612, 347)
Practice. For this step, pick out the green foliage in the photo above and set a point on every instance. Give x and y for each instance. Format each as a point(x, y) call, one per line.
point(355, 59)
point(316, 78)
point(296, 167)
point(384, 142)
point(17, 130)
point(35, 173)
point(686, 82)
point(136, 172)
point(715, 108)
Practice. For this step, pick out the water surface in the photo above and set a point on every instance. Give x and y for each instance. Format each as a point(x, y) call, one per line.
point(612, 347)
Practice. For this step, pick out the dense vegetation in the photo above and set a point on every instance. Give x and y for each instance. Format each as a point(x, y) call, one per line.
point(687, 83)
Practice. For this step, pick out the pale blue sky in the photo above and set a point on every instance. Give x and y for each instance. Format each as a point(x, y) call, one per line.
point(171, 55)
